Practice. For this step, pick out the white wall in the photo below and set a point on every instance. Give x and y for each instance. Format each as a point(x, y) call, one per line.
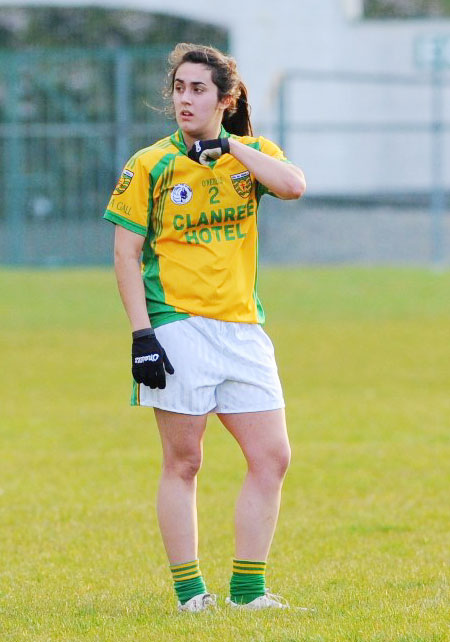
point(269, 37)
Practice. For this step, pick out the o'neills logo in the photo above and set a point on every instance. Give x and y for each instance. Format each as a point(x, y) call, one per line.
point(242, 183)
point(147, 357)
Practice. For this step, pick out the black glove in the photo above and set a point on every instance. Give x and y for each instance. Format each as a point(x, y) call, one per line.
point(148, 359)
point(205, 151)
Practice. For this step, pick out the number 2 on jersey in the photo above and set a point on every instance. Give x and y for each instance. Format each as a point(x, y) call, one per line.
point(213, 191)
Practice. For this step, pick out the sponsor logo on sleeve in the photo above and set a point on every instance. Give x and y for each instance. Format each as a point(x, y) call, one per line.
point(181, 194)
point(242, 183)
point(123, 182)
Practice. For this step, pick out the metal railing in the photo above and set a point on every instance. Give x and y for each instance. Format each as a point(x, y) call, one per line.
point(436, 126)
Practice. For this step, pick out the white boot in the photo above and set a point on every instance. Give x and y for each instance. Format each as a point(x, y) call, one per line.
point(266, 601)
point(198, 603)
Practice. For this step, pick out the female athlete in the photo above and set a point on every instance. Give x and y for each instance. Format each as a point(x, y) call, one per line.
point(185, 211)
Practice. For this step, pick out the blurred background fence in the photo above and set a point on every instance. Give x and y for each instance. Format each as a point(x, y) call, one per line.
point(71, 117)
point(70, 120)
point(379, 144)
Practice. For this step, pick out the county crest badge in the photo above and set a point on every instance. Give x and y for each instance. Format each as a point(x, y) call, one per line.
point(242, 183)
point(123, 182)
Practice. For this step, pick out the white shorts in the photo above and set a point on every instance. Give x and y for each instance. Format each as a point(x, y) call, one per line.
point(220, 367)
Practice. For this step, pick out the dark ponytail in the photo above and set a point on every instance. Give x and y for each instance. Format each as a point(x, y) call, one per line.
point(224, 74)
point(237, 120)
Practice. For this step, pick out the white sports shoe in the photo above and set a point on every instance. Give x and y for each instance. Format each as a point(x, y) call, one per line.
point(198, 603)
point(266, 601)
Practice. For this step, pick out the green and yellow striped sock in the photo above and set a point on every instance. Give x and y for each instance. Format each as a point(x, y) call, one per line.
point(188, 580)
point(248, 581)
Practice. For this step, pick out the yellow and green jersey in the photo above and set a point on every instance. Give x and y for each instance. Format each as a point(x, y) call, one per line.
point(200, 250)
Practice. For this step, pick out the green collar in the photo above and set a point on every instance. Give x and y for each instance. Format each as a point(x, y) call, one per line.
point(178, 140)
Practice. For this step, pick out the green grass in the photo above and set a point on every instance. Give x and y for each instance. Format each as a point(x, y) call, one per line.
point(363, 535)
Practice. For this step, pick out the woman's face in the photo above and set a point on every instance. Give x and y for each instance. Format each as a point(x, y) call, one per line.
point(198, 110)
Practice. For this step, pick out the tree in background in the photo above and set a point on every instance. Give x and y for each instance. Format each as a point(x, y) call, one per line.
point(27, 27)
point(406, 8)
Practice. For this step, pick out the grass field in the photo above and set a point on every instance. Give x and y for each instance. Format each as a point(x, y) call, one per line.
point(363, 537)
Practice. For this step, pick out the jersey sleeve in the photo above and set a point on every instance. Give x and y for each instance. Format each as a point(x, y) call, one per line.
point(267, 147)
point(130, 205)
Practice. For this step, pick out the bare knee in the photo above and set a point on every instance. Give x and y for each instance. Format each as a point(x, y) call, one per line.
point(185, 467)
point(284, 460)
point(280, 460)
point(271, 464)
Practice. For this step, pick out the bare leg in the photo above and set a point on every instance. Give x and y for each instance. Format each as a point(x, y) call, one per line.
point(181, 438)
point(264, 442)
